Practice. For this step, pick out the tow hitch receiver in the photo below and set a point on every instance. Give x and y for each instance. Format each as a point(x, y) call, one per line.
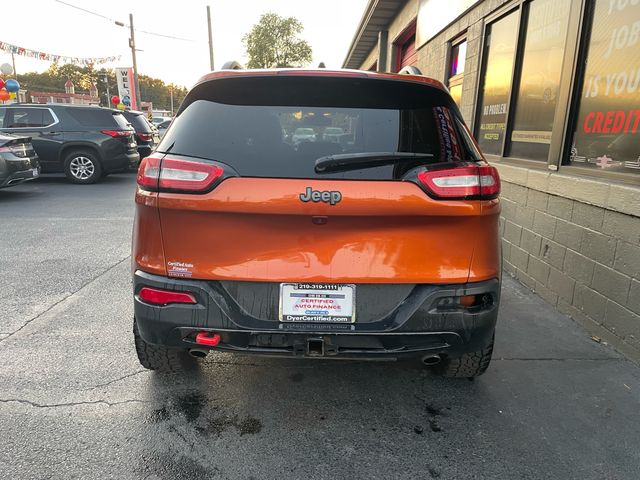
point(315, 347)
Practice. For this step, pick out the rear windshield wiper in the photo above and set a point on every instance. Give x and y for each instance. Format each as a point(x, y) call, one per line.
point(355, 161)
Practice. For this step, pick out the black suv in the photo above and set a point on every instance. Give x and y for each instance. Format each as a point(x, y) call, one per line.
point(18, 161)
point(84, 142)
point(147, 136)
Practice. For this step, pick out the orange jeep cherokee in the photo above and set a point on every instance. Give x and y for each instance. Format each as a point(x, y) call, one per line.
point(327, 214)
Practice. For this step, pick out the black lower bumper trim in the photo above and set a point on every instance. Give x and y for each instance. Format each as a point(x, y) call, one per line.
point(418, 326)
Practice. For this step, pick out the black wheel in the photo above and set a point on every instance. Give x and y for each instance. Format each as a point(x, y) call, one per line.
point(469, 365)
point(160, 358)
point(82, 166)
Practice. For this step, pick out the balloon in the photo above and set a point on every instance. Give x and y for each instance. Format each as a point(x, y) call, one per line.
point(12, 95)
point(12, 85)
point(115, 100)
point(120, 106)
point(4, 95)
point(1, 83)
point(126, 100)
point(6, 69)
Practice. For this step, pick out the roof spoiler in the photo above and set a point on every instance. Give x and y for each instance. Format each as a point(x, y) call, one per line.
point(410, 70)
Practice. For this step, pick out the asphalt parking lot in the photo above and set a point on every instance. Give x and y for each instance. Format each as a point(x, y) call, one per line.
point(75, 403)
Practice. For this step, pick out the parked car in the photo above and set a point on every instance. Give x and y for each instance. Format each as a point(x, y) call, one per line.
point(84, 142)
point(303, 135)
point(332, 134)
point(162, 127)
point(388, 249)
point(18, 161)
point(147, 136)
point(158, 120)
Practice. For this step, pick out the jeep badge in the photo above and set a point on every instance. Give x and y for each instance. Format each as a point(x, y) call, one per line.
point(331, 197)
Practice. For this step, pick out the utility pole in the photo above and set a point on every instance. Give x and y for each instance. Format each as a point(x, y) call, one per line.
point(210, 37)
point(132, 44)
point(13, 58)
point(171, 92)
point(105, 79)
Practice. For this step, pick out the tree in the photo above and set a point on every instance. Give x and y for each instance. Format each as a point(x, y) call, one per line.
point(273, 43)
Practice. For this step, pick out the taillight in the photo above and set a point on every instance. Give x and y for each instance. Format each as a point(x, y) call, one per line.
point(145, 137)
point(21, 150)
point(177, 175)
point(117, 133)
point(188, 176)
point(155, 296)
point(482, 182)
point(148, 173)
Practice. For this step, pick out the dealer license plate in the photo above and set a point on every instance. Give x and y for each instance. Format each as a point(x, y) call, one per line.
point(317, 302)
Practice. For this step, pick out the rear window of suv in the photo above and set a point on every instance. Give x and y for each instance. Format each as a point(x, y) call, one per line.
point(99, 118)
point(139, 122)
point(255, 124)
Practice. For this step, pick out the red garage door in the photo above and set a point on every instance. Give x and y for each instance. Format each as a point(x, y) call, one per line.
point(406, 48)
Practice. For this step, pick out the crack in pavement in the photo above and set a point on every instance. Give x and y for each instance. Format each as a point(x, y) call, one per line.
point(114, 381)
point(87, 283)
point(69, 404)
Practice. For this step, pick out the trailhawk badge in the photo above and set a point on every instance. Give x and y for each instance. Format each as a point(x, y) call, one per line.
point(331, 197)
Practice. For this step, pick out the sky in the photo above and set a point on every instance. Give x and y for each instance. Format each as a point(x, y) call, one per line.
point(52, 27)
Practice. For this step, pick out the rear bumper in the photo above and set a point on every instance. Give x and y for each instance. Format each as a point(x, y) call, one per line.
point(14, 176)
point(144, 150)
point(124, 161)
point(416, 328)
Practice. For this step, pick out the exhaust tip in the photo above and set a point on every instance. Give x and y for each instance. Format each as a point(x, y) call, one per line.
point(198, 353)
point(431, 360)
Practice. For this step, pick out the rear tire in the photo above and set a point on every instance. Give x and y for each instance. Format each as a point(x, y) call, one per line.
point(160, 358)
point(82, 167)
point(469, 365)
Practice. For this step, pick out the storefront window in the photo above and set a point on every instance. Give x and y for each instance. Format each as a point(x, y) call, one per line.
point(458, 58)
point(607, 130)
point(456, 70)
point(500, 47)
point(540, 78)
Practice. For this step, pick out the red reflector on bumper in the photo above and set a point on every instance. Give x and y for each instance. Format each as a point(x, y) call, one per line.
point(208, 338)
point(156, 296)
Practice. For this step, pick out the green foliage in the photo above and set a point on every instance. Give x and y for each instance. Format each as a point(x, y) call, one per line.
point(53, 80)
point(273, 43)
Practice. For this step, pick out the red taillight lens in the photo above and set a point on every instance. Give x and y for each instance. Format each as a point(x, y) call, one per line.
point(21, 150)
point(462, 182)
point(177, 175)
point(156, 296)
point(145, 137)
point(117, 133)
point(187, 176)
point(149, 173)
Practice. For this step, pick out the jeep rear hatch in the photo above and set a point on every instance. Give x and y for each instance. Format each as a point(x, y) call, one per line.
point(240, 198)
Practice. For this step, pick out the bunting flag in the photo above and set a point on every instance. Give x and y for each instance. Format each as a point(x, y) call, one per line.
point(25, 52)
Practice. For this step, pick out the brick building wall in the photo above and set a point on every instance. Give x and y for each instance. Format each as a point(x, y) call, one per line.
point(583, 258)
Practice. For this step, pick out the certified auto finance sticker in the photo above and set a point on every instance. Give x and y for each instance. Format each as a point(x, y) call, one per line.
point(180, 269)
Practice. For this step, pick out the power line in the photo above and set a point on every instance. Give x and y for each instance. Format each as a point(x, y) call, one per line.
point(121, 24)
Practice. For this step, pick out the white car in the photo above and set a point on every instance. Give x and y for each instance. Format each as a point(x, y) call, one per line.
point(332, 134)
point(303, 135)
point(158, 120)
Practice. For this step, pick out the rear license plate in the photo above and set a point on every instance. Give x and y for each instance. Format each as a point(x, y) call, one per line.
point(317, 302)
